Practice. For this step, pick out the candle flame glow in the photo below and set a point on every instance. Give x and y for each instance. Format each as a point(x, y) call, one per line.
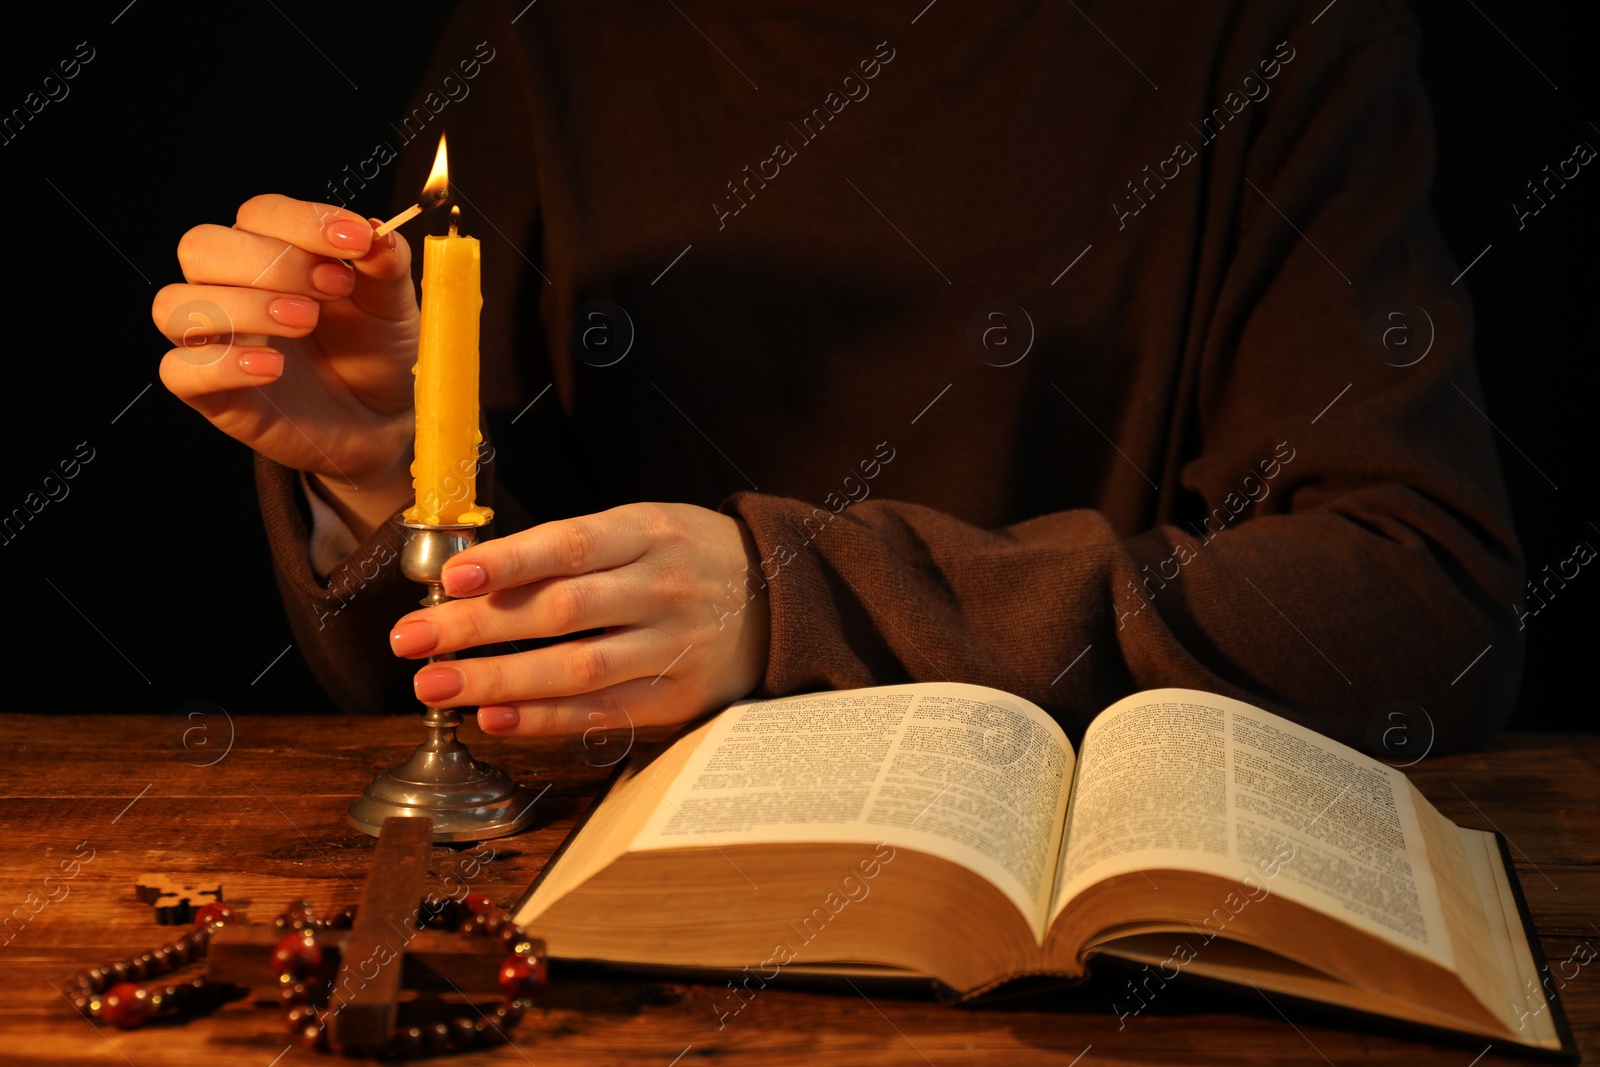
point(437, 188)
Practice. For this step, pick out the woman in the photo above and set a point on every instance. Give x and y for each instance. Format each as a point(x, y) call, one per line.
point(1062, 351)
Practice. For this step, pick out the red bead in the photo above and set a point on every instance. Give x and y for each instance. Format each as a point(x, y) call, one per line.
point(478, 904)
point(296, 955)
point(215, 912)
point(521, 976)
point(125, 1005)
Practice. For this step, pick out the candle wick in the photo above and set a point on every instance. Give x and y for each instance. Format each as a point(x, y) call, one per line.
point(455, 218)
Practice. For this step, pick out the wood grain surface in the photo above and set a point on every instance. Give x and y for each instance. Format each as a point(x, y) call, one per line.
point(258, 804)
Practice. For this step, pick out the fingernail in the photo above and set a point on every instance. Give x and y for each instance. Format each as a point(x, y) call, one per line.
point(464, 578)
point(335, 279)
point(294, 312)
point(261, 364)
point(436, 685)
point(498, 718)
point(413, 638)
point(352, 236)
point(386, 242)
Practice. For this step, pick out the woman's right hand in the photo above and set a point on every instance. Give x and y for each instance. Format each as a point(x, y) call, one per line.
point(296, 335)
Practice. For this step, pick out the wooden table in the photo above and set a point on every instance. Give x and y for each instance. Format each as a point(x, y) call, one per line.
point(259, 804)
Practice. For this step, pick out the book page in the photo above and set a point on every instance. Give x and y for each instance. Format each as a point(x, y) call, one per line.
point(970, 774)
point(1527, 1007)
point(1181, 778)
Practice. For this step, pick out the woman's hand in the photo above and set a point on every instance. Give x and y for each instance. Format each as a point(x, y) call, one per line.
point(296, 334)
point(677, 641)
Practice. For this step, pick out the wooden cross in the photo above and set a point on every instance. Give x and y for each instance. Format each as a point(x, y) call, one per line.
point(382, 953)
point(174, 902)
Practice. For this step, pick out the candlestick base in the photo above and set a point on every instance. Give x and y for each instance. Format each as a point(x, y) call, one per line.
point(467, 799)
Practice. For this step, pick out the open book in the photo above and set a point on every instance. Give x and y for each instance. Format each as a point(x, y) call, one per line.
point(949, 831)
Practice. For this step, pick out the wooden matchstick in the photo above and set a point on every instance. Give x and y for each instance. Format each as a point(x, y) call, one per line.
point(405, 216)
point(435, 192)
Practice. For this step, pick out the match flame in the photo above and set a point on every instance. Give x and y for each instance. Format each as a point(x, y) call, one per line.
point(437, 188)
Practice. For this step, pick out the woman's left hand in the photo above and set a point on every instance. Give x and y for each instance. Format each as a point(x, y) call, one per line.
point(677, 641)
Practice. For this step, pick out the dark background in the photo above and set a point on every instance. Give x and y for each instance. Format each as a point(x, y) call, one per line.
point(149, 585)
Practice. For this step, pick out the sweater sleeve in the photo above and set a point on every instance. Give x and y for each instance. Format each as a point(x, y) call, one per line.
point(339, 624)
point(1342, 537)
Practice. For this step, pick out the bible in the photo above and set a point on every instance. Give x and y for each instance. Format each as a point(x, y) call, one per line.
point(950, 833)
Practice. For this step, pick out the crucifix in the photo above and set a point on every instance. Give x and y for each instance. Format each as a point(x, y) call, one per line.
point(175, 902)
point(385, 950)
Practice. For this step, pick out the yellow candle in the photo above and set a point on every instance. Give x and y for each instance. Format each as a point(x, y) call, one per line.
point(444, 473)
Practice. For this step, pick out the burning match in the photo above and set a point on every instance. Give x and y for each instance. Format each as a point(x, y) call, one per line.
point(434, 192)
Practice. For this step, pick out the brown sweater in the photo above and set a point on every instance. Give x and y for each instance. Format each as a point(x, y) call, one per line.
point(1030, 359)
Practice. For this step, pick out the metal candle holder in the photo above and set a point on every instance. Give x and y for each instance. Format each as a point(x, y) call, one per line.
point(467, 799)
